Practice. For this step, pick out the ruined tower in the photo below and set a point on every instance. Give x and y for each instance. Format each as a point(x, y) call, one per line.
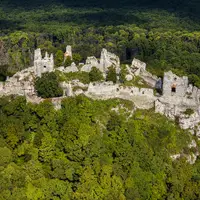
point(68, 52)
point(42, 65)
point(108, 59)
point(174, 85)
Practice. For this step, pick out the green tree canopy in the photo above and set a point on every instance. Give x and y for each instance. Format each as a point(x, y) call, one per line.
point(48, 86)
point(95, 74)
point(111, 75)
point(59, 58)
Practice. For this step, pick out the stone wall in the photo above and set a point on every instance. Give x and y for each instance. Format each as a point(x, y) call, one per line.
point(42, 65)
point(174, 85)
point(68, 52)
point(143, 98)
point(20, 84)
point(107, 59)
point(137, 66)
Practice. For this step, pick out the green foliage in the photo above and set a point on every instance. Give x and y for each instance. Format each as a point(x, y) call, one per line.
point(59, 58)
point(3, 72)
point(189, 111)
point(48, 86)
point(163, 39)
point(88, 151)
point(5, 156)
point(68, 61)
point(194, 79)
point(82, 76)
point(95, 75)
point(111, 75)
point(84, 150)
point(77, 58)
point(123, 73)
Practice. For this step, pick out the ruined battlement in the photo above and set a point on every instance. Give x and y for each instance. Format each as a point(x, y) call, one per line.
point(106, 60)
point(42, 65)
point(174, 85)
point(175, 98)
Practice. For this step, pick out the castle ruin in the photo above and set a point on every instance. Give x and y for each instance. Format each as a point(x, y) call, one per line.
point(174, 85)
point(107, 60)
point(176, 97)
point(42, 65)
point(68, 52)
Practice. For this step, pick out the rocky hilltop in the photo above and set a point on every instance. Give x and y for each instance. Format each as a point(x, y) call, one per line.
point(171, 96)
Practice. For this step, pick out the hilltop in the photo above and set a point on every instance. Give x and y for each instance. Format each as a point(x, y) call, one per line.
point(114, 116)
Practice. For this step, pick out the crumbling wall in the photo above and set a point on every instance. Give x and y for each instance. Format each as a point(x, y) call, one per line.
point(20, 84)
point(150, 79)
point(137, 66)
point(174, 85)
point(107, 60)
point(42, 65)
point(68, 52)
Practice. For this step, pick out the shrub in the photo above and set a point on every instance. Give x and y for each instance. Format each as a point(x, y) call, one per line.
point(48, 86)
point(59, 58)
point(68, 61)
point(77, 58)
point(111, 75)
point(188, 111)
point(95, 75)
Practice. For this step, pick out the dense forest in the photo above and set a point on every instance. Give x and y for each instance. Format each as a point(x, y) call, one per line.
point(91, 150)
point(163, 34)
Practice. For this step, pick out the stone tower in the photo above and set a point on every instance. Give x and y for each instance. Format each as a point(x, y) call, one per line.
point(68, 52)
point(174, 85)
point(42, 65)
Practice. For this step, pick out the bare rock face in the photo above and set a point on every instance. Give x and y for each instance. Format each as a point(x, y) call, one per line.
point(90, 62)
point(107, 60)
point(67, 89)
point(137, 66)
point(189, 122)
point(129, 77)
point(4, 58)
point(20, 84)
point(71, 68)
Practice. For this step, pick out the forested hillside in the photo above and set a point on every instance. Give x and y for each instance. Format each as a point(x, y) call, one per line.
point(163, 34)
point(87, 150)
point(92, 149)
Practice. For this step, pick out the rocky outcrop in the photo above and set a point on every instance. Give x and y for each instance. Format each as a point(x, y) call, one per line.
point(90, 62)
point(137, 66)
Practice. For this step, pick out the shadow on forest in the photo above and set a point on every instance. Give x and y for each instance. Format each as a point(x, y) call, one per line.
point(107, 17)
point(10, 25)
point(184, 8)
